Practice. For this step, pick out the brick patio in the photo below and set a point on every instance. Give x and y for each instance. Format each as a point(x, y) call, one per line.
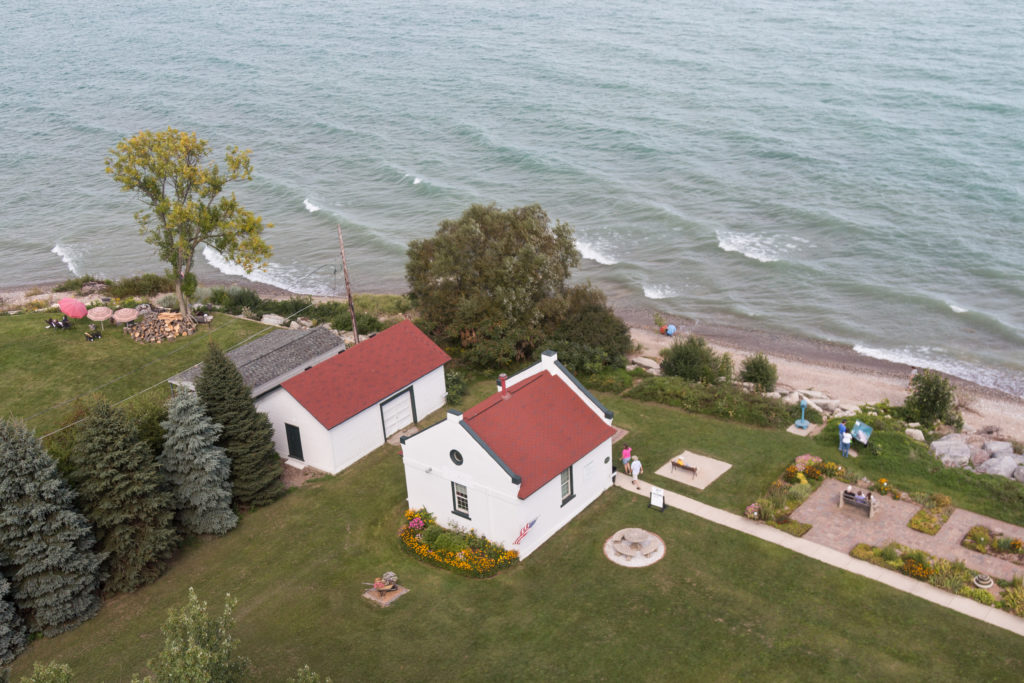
point(843, 528)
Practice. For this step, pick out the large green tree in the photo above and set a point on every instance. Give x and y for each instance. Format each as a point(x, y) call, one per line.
point(12, 628)
point(197, 469)
point(248, 436)
point(46, 545)
point(492, 280)
point(185, 201)
point(123, 493)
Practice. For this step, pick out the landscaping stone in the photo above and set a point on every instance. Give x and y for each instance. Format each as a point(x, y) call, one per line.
point(979, 456)
point(647, 363)
point(1018, 474)
point(272, 319)
point(829, 404)
point(998, 447)
point(915, 434)
point(814, 395)
point(1003, 466)
point(792, 398)
point(952, 450)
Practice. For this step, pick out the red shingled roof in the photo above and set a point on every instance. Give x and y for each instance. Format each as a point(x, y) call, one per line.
point(541, 429)
point(346, 384)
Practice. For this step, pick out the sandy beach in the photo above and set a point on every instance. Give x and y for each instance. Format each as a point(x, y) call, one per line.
point(833, 369)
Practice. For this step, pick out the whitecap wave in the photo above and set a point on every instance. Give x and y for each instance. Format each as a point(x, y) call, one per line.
point(758, 246)
point(956, 309)
point(69, 256)
point(417, 180)
point(310, 206)
point(933, 359)
point(316, 281)
point(589, 251)
point(658, 291)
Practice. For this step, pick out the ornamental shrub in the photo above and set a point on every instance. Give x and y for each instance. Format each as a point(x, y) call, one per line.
point(932, 399)
point(696, 361)
point(760, 372)
point(950, 576)
point(978, 538)
point(977, 594)
point(1013, 600)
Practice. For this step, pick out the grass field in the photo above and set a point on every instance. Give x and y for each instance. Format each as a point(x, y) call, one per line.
point(720, 606)
point(42, 370)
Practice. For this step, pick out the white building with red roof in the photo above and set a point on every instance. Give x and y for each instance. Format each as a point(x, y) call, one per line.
point(339, 410)
point(518, 466)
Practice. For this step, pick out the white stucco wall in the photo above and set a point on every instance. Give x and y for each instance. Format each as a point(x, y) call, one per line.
point(335, 450)
point(494, 507)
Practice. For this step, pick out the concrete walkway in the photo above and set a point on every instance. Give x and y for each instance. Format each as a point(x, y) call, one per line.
point(989, 615)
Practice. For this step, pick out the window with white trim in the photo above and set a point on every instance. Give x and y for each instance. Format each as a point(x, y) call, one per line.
point(567, 490)
point(460, 500)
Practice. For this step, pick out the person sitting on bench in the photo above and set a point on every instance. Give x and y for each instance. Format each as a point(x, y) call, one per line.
point(860, 497)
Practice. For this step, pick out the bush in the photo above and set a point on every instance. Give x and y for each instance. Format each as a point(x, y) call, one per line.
point(696, 361)
point(759, 371)
point(146, 285)
point(1013, 600)
point(978, 594)
point(75, 284)
point(589, 336)
point(234, 299)
point(456, 384)
point(950, 576)
point(726, 401)
point(932, 399)
point(798, 493)
point(461, 551)
point(978, 538)
point(168, 301)
point(611, 380)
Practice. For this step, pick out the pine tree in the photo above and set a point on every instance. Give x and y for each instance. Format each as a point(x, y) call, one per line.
point(46, 546)
point(12, 628)
point(121, 490)
point(197, 469)
point(248, 435)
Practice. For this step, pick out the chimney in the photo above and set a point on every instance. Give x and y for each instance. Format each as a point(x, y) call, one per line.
point(501, 385)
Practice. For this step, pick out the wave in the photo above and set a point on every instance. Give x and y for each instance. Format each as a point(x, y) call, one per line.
point(758, 246)
point(956, 309)
point(589, 251)
point(658, 291)
point(69, 256)
point(310, 206)
point(929, 358)
point(292, 279)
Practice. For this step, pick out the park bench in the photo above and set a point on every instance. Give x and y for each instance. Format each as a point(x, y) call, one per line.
point(678, 464)
point(869, 503)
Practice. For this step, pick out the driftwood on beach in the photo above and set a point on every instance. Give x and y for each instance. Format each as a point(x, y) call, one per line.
point(154, 329)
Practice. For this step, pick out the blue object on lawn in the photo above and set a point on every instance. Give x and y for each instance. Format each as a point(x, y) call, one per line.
point(670, 330)
point(861, 432)
point(802, 423)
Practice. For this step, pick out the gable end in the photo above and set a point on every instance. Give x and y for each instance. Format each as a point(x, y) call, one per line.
point(516, 479)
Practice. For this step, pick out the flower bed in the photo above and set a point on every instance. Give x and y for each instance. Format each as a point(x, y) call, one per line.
point(930, 518)
point(785, 494)
point(953, 577)
point(458, 550)
point(984, 540)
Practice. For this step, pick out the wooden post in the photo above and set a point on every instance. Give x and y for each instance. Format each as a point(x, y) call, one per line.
point(348, 287)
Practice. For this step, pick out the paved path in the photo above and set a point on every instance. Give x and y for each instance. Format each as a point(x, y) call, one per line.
point(843, 528)
point(989, 615)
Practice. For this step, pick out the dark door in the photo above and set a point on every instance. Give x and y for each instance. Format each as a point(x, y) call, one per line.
point(294, 441)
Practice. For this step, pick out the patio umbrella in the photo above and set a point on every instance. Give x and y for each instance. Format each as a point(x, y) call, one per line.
point(73, 308)
point(125, 315)
point(99, 314)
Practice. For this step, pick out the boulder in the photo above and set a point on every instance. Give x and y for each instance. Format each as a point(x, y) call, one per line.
point(647, 363)
point(998, 447)
point(773, 394)
point(979, 456)
point(812, 395)
point(272, 319)
point(914, 425)
point(1018, 474)
point(814, 406)
point(792, 398)
point(1002, 466)
point(305, 322)
point(952, 450)
point(828, 404)
point(915, 434)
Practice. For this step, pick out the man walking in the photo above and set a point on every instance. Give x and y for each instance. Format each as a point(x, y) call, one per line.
point(637, 469)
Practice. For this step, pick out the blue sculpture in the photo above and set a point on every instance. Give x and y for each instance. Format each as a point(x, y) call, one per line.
point(802, 423)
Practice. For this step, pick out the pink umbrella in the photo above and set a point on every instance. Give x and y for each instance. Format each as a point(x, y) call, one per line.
point(73, 308)
point(125, 315)
point(99, 314)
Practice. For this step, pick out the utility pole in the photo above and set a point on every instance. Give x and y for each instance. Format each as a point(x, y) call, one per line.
point(348, 287)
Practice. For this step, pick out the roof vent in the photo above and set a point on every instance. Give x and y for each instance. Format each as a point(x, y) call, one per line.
point(501, 385)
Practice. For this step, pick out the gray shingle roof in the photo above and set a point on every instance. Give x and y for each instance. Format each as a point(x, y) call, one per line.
point(274, 356)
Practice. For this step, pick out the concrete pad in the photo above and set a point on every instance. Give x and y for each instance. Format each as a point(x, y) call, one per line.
point(384, 599)
point(793, 429)
point(708, 469)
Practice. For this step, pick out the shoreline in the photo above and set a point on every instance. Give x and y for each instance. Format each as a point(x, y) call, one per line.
point(803, 364)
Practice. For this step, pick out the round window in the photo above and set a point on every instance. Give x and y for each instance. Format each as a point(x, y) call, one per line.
point(456, 457)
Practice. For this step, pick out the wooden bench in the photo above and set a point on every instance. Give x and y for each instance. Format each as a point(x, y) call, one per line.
point(678, 464)
point(850, 498)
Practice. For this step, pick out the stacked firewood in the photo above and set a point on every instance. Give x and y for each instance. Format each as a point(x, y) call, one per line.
point(162, 326)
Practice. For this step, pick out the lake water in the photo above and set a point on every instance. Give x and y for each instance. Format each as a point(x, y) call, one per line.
point(846, 171)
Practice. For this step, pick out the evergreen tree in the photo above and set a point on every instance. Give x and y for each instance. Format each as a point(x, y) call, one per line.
point(12, 628)
point(46, 546)
point(197, 469)
point(121, 490)
point(248, 436)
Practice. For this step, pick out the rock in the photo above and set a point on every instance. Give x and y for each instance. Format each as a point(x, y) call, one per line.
point(979, 456)
point(814, 406)
point(952, 450)
point(914, 425)
point(647, 363)
point(295, 325)
point(814, 395)
point(998, 447)
point(305, 322)
point(829, 404)
point(272, 319)
point(1018, 474)
point(792, 398)
point(915, 434)
point(773, 394)
point(1003, 466)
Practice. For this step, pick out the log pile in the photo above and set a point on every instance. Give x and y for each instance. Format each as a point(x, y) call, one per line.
point(154, 329)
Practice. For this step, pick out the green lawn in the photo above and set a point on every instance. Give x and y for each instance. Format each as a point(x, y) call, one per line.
point(720, 605)
point(42, 370)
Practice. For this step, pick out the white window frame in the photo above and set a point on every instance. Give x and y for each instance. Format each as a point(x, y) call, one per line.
point(460, 494)
point(567, 486)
